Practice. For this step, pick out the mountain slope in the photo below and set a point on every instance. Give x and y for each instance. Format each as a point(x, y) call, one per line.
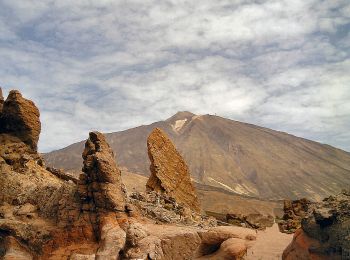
point(239, 157)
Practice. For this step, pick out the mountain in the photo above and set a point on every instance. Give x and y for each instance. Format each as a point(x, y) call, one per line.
point(242, 158)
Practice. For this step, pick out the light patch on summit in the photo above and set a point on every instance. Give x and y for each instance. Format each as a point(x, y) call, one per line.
point(178, 125)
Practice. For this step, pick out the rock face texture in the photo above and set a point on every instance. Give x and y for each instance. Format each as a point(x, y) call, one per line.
point(101, 181)
point(325, 231)
point(47, 214)
point(254, 220)
point(20, 117)
point(102, 195)
point(294, 212)
point(169, 172)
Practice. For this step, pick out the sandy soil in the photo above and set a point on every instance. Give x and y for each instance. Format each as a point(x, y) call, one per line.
point(269, 244)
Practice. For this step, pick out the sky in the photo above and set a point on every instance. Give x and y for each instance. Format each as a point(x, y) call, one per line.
point(110, 65)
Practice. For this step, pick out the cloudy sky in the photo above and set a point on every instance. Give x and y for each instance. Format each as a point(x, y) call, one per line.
point(111, 65)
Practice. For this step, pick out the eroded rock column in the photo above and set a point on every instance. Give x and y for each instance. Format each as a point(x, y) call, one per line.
point(102, 195)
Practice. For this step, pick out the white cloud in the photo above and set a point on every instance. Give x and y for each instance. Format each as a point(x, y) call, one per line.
point(111, 65)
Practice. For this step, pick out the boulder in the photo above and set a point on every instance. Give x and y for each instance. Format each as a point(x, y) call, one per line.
point(324, 232)
point(294, 212)
point(20, 118)
point(253, 220)
point(169, 172)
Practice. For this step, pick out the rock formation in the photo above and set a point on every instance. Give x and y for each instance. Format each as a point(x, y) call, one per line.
point(101, 181)
point(253, 220)
point(47, 214)
point(102, 195)
point(294, 212)
point(20, 117)
point(324, 232)
point(169, 172)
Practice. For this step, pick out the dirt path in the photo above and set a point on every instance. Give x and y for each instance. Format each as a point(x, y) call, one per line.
point(269, 244)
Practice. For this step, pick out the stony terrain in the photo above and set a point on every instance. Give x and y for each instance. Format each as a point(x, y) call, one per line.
point(241, 158)
point(324, 232)
point(48, 214)
point(294, 212)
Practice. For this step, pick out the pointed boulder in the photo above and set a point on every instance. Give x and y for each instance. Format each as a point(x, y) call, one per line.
point(169, 172)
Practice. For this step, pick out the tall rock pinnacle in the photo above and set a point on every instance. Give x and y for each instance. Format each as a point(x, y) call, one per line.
point(101, 175)
point(20, 117)
point(169, 172)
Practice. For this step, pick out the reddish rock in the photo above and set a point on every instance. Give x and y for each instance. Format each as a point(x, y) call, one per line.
point(101, 181)
point(20, 117)
point(294, 212)
point(14, 250)
point(169, 172)
point(324, 232)
point(102, 195)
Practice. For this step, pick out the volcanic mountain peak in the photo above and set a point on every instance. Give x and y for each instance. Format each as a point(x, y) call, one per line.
point(231, 155)
point(180, 115)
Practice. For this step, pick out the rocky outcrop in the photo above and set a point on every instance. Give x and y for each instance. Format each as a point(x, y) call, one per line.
point(253, 220)
point(325, 231)
point(102, 195)
point(149, 241)
point(169, 172)
point(100, 182)
point(20, 118)
point(294, 212)
point(48, 214)
point(164, 209)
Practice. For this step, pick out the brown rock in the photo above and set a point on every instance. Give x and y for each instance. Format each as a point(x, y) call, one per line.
point(100, 188)
point(101, 175)
point(253, 220)
point(14, 250)
point(230, 249)
point(20, 117)
point(169, 172)
point(325, 231)
point(294, 212)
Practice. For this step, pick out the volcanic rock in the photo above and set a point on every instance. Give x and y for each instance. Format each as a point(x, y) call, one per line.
point(20, 117)
point(101, 180)
point(253, 220)
point(102, 195)
point(294, 212)
point(47, 214)
point(325, 231)
point(169, 172)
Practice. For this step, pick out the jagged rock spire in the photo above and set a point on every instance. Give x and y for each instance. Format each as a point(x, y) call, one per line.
point(101, 180)
point(169, 172)
point(21, 118)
